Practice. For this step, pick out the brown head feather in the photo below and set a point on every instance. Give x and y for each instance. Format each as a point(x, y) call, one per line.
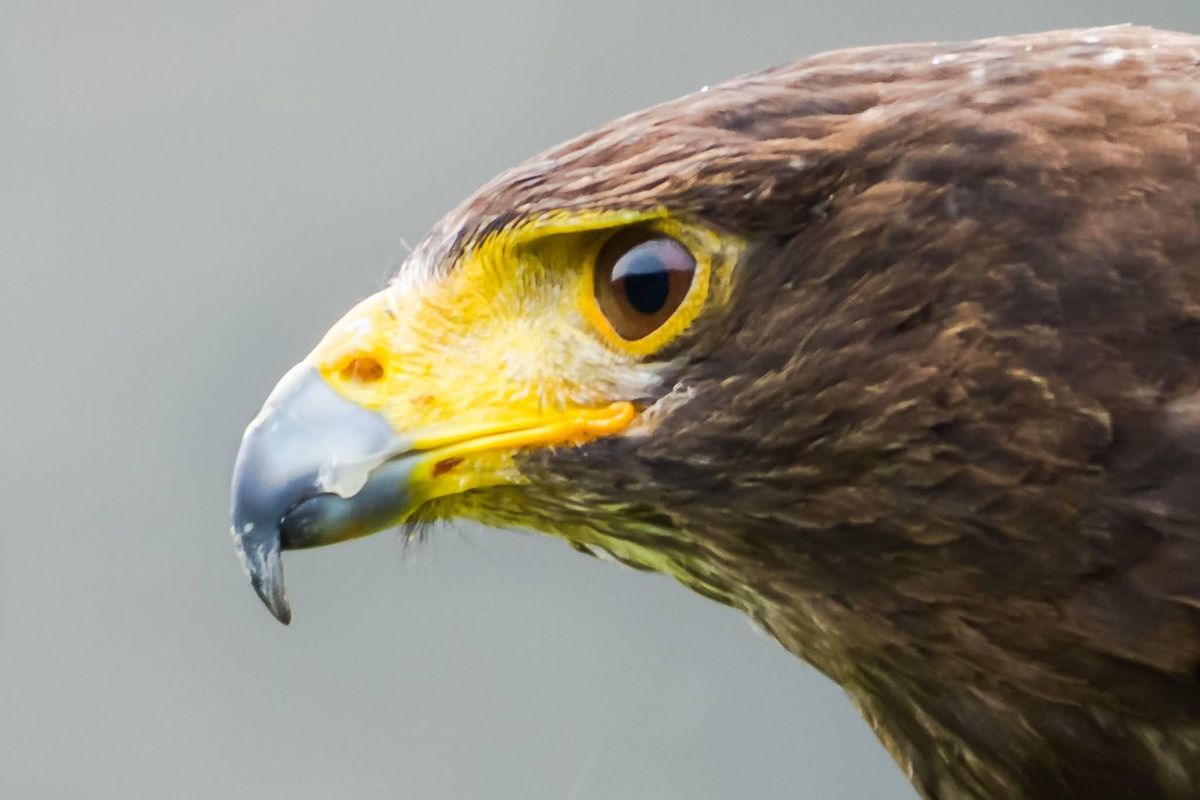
point(943, 443)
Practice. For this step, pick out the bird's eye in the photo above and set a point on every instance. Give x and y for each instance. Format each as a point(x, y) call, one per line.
point(641, 278)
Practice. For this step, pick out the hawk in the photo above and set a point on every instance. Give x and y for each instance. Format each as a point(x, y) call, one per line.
point(896, 350)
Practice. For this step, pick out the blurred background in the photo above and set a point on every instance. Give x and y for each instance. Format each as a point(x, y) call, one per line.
point(190, 194)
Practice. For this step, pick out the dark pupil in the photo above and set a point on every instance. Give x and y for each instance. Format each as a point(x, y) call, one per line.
point(646, 279)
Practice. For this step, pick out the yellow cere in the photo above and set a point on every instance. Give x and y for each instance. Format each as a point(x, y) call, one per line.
point(507, 349)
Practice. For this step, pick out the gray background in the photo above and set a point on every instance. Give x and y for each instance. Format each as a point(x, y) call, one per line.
point(189, 195)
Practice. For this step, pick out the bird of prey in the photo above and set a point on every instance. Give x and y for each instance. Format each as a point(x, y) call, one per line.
point(896, 350)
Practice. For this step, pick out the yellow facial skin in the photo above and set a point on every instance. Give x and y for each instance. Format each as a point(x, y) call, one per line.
point(507, 349)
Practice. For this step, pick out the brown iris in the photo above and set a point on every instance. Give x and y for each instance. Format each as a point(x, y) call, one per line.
point(642, 276)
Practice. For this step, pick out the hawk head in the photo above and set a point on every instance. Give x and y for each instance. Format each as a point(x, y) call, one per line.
point(893, 349)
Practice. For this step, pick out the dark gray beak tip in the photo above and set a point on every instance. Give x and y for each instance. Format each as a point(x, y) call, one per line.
point(274, 598)
point(263, 562)
point(277, 606)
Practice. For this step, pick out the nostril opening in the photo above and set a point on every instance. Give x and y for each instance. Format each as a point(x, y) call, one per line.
point(361, 369)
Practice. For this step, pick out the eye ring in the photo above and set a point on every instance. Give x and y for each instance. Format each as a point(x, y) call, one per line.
point(640, 279)
point(714, 254)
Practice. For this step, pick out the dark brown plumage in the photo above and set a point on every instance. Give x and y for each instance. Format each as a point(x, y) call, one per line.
point(945, 442)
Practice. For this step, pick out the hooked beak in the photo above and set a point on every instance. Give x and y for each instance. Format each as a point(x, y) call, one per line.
point(314, 468)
